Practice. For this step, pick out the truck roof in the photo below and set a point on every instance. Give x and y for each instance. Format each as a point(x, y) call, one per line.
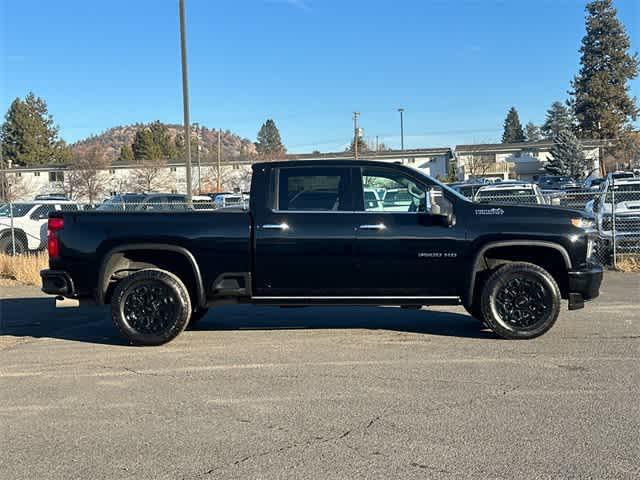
point(332, 162)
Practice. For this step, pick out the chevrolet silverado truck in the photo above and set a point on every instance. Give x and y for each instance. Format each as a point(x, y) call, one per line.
point(309, 238)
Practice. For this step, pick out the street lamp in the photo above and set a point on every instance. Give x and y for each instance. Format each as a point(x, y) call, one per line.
point(356, 134)
point(185, 98)
point(401, 110)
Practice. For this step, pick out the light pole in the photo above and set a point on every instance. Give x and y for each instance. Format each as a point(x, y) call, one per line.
point(185, 98)
point(355, 134)
point(197, 125)
point(401, 110)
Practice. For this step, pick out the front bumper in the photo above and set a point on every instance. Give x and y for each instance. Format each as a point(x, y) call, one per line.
point(584, 284)
point(57, 282)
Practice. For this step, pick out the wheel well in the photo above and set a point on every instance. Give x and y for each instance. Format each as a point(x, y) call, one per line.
point(18, 233)
point(548, 258)
point(122, 264)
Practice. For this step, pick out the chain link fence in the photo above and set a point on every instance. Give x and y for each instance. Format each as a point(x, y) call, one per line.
point(23, 225)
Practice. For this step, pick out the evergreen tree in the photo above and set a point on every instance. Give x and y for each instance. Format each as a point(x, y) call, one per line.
point(533, 132)
point(29, 135)
point(558, 118)
point(162, 139)
point(362, 146)
point(600, 95)
point(513, 132)
point(126, 154)
point(181, 150)
point(143, 146)
point(269, 143)
point(567, 156)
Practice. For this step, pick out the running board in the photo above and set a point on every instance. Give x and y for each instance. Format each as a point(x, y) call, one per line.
point(354, 300)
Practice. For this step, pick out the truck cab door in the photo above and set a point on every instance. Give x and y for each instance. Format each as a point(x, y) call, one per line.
point(410, 244)
point(304, 238)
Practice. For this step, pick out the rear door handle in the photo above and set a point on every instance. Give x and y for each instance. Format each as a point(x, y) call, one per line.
point(275, 226)
point(377, 226)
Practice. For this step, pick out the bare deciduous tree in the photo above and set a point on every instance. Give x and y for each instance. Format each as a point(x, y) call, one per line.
point(152, 176)
point(16, 188)
point(477, 164)
point(85, 177)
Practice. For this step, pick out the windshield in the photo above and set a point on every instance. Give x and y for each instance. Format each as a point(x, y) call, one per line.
point(624, 193)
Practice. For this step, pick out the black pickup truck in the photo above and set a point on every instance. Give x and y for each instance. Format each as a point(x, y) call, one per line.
point(327, 233)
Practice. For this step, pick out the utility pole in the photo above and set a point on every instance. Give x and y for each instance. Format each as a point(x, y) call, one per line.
point(377, 144)
point(219, 179)
point(198, 157)
point(355, 134)
point(185, 98)
point(401, 110)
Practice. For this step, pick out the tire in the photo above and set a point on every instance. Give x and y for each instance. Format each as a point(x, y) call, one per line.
point(6, 246)
point(196, 316)
point(520, 301)
point(150, 307)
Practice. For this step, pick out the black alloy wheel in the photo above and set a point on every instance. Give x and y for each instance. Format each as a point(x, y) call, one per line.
point(520, 301)
point(151, 307)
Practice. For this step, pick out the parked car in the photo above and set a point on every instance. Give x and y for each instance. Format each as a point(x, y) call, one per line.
point(593, 183)
point(468, 189)
point(29, 224)
point(124, 202)
point(223, 200)
point(509, 265)
point(622, 198)
point(557, 182)
point(174, 201)
point(510, 192)
point(51, 196)
point(619, 175)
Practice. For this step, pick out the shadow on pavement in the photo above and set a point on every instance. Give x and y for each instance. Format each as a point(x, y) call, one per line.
point(38, 317)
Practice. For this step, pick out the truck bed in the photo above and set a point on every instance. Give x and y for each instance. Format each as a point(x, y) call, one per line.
point(219, 240)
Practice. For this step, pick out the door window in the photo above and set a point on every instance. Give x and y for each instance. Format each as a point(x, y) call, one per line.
point(391, 191)
point(313, 189)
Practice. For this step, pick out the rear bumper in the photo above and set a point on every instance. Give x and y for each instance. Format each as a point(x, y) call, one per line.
point(57, 282)
point(584, 284)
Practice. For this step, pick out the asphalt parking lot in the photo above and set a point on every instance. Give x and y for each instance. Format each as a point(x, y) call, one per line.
point(321, 393)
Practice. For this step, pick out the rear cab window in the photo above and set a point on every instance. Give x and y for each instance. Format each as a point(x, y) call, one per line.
point(313, 189)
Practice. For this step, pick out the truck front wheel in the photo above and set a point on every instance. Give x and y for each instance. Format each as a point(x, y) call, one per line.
point(520, 301)
point(151, 307)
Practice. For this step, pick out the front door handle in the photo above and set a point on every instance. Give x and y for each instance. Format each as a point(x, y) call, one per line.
point(377, 226)
point(275, 226)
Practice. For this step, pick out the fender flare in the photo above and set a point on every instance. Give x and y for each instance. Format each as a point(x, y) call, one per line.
point(512, 243)
point(102, 285)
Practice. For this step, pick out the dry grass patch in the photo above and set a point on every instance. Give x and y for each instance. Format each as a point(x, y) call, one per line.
point(628, 263)
point(23, 268)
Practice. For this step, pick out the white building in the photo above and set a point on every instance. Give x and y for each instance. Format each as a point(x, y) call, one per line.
point(522, 161)
point(25, 183)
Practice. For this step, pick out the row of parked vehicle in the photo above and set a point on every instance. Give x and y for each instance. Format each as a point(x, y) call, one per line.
point(613, 201)
point(23, 225)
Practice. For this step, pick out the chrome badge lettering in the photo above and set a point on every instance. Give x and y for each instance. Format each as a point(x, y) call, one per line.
point(489, 211)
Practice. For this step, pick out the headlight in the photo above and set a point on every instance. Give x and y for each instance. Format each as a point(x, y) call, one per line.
point(582, 223)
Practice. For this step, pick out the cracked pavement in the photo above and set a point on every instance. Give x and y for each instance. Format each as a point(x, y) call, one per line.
point(330, 393)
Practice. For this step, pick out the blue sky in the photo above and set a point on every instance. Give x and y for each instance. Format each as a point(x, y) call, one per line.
point(455, 66)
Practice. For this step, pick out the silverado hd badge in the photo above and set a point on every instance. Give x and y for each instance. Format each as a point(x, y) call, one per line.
point(489, 211)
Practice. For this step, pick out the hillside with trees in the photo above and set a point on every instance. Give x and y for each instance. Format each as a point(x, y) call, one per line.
point(127, 143)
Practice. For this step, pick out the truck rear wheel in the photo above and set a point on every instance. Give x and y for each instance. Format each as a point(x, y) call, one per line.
point(520, 301)
point(151, 307)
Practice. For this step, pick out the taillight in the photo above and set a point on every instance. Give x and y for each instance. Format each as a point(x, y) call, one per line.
point(53, 245)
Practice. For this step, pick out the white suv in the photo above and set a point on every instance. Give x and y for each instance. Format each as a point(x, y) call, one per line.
point(29, 224)
point(625, 193)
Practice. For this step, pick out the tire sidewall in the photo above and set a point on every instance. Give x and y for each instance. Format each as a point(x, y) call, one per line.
point(499, 279)
point(170, 281)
